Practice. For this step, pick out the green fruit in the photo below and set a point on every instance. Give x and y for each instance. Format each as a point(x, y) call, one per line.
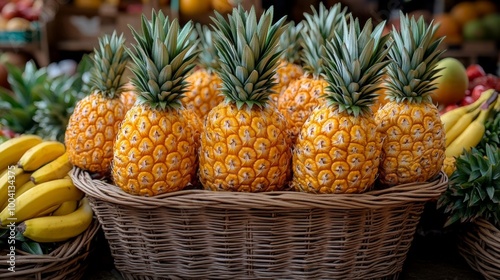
point(475, 30)
point(492, 24)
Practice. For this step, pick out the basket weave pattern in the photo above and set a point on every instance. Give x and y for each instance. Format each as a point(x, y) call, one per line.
point(480, 247)
point(197, 234)
point(68, 261)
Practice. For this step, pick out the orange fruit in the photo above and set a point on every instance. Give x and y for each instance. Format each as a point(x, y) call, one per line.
point(464, 12)
point(448, 27)
point(222, 6)
point(194, 7)
point(485, 7)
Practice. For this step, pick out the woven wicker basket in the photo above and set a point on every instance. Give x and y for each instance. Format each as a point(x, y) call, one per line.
point(68, 261)
point(197, 234)
point(480, 247)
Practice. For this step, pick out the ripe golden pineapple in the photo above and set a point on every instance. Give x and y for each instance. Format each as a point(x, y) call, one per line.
point(302, 95)
point(338, 148)
point(244, 145)
point(128, 96)
point(155, 149)
point(94, 123)
point(289, 68)
point(414, 144)
point(203, 92)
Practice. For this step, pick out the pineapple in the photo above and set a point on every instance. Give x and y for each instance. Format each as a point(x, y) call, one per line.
point(289, 68)
point(244, 144)
point(203, 92)
point(338, 148)
point(414, 145)
point(155, 149)
point(302, 95)
point(57, 103)
point(17, 105)
point(128, 95)
point(94, 123)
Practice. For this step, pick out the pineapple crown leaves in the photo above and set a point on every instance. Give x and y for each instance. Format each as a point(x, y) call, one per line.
point(17, 106)
point(354, 61)
point(56, 106)
point(248, 52)
point(291, 42)
point(162, 57)
point(110, 62)
point(474, 188)
point(414, 55)
point(208, 54)
point(319, 28)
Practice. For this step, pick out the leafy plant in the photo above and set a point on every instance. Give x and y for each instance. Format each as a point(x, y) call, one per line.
point(474, 188)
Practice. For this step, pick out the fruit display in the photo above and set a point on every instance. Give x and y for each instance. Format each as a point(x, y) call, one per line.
point(19, 15)
point(414, 138)
point(470, 21)
point(346, 116)
point(93, 125)
point(203, 91)
point(36, 192)
point(244, 144)
point(155, 148)
point(302, 95)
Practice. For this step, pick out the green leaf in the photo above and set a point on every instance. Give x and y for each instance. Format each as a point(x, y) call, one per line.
point(32, 247)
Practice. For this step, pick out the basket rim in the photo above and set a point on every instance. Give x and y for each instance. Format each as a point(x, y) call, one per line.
point(375, 199)
point(63, 252)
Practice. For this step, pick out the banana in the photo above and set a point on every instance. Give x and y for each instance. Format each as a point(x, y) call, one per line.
point(450, 118)
point(462, 123)
point(470, 137)
point(55, 169)
point(47, 211)
point(40, 198)
point(12, 180)
point(13, 149)
point(41, 154)
point(58, 228)
point(3, 172)
point(66, 208)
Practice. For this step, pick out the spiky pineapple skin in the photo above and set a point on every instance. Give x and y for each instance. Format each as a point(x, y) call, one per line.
point(299, 100)
point(93, 127)
point(203, 92)
point(128, 96)
point(286, 73)
point(246, 150)
point(336, 153)
point(155, 152)
point(414, 144)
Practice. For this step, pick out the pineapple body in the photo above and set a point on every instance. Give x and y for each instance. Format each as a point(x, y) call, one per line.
point(92, 130)
point(128, 96)
point(203, 92)
point(336, 153)
point(155, 152)
point(299, 100)
point(286, 73)
point(414, 145)
point(244, 149)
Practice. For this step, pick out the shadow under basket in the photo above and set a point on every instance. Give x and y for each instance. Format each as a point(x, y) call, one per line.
point(199, 234)
point(69, 261)
point(479, 245)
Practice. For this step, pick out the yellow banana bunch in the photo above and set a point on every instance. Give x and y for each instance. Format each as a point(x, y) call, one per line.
point(469, 133)
point(55, 169)
point(58, 228)
point(66, 208)
point(41, 154)
point(12, 180)
point(40, 198)
point(13, 149)
point(450, 118)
